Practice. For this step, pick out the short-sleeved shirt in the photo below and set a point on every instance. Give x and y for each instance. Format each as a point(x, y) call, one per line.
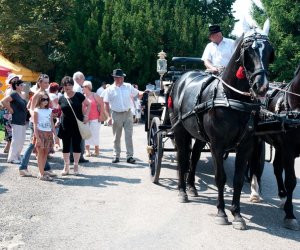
point(119, 98)
point(44, 119)
point(18, 104)
point(77, 87)
point(100, 91)
point(219, 54)
point(68, 121)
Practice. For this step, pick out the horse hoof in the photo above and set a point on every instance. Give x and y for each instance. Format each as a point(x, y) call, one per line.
point(255, 198)
point(239, 224)
point(183, 198)
point(221, 220)
point(291, 224)
point(192, 192)
point(282, 203)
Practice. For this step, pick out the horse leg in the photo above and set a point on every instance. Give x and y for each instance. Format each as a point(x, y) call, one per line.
point(242, 156)
point(278, 171)
point(220, 179)
point(196, 152)
point(256, 165)
point(183, 143)
point(290, 182)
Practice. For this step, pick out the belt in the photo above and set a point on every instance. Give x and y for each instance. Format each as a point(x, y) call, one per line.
point(122, 111)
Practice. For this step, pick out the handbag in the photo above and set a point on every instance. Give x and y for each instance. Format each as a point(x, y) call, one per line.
point(84, 129)
point(103, 116)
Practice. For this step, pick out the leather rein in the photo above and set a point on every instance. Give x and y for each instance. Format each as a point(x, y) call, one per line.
point(283, 90)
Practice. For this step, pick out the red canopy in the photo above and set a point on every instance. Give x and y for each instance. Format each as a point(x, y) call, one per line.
point(4, 71)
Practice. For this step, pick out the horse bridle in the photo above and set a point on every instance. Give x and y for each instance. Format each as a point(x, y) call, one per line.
point(253, 41)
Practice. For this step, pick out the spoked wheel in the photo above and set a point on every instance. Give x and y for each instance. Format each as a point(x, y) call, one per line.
point(155, 149)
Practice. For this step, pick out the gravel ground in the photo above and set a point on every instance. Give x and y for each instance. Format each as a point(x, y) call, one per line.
point(115, 206)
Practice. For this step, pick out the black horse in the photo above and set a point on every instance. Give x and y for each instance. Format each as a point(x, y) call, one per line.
point(286, 144)
point(220, 111)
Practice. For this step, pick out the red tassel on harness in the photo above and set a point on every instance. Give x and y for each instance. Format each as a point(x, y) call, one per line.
point(170, 102)
point(240, 74)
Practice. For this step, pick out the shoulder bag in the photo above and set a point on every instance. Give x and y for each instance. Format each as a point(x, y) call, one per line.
point(84, 129)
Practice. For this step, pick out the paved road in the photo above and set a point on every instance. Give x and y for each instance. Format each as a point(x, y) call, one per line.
point(117, 207)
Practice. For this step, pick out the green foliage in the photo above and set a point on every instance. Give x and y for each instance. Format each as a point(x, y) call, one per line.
point(32, 31)
point(284, 34)
point(134, 31)
point(96, 36)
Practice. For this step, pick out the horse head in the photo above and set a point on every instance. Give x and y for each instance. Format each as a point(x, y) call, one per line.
point(256, 55)
point(294, 99)
point(253, 53)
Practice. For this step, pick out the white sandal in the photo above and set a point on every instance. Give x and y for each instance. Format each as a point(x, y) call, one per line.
point(76, 169)
point(44, 177)
point(66, 170)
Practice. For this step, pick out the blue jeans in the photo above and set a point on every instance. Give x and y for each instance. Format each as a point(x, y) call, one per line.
point(28, 152)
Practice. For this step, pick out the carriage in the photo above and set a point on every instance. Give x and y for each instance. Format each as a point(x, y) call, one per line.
point(157, 123)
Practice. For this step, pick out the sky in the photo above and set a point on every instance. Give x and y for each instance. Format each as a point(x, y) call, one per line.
point(243, 8)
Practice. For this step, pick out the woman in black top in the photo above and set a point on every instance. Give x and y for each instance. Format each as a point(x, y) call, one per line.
point(68, 129)
point(15, 103)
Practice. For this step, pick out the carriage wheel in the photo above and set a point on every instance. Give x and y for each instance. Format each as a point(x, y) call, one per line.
point(156, 152)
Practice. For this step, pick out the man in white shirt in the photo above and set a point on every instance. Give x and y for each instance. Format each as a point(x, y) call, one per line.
point(118, 99)
point(219, 51)
point(78, 79)
point(101, 89)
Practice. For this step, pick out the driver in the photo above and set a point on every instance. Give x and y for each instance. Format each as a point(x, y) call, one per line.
point(218, 52)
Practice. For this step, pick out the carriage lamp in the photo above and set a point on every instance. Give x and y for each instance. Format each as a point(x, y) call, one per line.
point(161, 66)
point(161, 63)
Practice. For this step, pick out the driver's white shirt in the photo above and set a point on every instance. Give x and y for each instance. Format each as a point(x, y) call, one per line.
point(219, 55)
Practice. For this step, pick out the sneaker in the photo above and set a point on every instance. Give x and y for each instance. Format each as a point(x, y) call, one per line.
point(50, 173)
point(24, 173)
point(14, 161)
point(88, 154)
point(131, 160)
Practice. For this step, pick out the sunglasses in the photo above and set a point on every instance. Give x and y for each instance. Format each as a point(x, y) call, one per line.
point(20, 84)
point(44, 99)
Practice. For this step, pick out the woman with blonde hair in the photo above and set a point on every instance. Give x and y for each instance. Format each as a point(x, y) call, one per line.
point(94, 118)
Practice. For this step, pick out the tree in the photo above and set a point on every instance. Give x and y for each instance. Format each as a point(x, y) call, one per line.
point(32, 32)
point(284, 35)
point(133, 31)
point(96, 36)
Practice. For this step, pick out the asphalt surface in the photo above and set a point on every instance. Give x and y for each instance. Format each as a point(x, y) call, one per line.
point(116, 206)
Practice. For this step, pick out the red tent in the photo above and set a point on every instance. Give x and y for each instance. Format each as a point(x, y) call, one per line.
point(4, 71)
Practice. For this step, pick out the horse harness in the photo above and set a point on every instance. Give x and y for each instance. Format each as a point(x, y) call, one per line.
point(254, 40)
point(283, 118)
point(199, 108)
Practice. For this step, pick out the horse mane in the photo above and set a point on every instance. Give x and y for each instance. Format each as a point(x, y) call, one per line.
point(297, 70)
point(234, 58)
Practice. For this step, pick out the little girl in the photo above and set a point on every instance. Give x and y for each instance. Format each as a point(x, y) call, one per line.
point(43, 131)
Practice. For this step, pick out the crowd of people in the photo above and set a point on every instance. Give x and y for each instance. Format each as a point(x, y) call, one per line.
point(51, 110)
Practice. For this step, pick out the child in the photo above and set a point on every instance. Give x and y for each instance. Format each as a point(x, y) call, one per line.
point(43, 129)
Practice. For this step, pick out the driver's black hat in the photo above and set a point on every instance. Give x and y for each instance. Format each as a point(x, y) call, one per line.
point(214, 29)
